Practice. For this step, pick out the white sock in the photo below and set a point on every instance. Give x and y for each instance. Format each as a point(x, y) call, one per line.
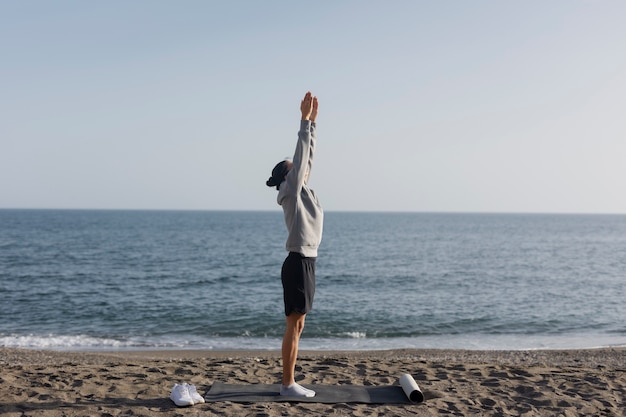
point(295, 390)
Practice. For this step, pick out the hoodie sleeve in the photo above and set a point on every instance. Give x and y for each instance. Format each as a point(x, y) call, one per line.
point(303, 156)
point(312, 146)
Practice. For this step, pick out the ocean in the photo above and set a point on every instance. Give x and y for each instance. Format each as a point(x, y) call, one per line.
point(130, 280)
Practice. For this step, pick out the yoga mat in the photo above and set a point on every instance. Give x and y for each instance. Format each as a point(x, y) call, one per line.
point(327, 394)
point(411, 389)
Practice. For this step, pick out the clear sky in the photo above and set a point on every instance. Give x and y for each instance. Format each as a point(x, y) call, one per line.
point(470, 106)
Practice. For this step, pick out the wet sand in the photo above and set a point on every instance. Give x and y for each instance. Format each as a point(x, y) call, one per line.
point(488, 383)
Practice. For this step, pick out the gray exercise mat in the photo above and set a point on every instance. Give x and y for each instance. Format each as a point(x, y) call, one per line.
point(327, 394)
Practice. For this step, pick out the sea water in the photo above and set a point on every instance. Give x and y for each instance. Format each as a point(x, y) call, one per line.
point(108, 280)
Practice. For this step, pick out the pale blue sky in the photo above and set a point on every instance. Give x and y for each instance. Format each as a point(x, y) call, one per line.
point(485, 106)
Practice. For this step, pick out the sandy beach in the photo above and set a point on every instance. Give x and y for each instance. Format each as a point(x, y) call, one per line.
point(487, 383)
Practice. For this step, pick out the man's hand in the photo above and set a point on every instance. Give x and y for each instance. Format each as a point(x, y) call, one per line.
point(314, 111)
point(308, 107)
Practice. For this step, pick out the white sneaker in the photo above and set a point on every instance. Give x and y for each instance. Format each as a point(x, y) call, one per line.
point(180, 395)
point(193, 393)
point(296, 390)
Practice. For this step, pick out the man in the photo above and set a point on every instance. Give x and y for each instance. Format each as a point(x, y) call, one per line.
point(304, 218)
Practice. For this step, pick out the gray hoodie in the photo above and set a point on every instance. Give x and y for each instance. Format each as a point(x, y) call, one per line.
point(303, 213)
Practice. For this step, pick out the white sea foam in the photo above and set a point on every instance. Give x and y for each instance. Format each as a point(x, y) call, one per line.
point(51, 341)
point(355, 335)
point(358, 341)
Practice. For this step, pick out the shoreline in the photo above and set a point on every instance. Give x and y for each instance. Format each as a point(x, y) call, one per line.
point(607, 356)
point(465, 382)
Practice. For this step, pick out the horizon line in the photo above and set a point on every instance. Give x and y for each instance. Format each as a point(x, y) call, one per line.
point(326, 211)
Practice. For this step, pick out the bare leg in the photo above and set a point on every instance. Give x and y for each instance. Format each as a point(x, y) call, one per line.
point(291, 340)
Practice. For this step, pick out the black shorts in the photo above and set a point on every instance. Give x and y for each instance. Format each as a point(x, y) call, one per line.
point(298, 276)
